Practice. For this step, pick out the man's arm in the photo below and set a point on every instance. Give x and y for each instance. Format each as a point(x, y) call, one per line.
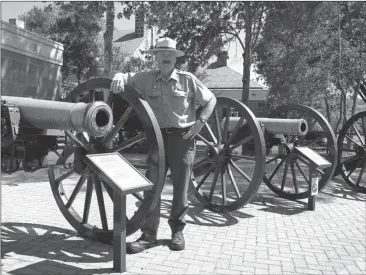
point(205, 114)
point(208, 109)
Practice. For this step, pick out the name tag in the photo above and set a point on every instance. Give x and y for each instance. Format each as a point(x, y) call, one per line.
point(179, 93)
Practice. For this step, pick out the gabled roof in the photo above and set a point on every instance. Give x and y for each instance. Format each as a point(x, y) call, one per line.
point(130, 46)
point(118, 34)
point(225, 78)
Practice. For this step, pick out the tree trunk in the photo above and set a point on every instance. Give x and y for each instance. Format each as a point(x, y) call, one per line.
point(344, 109)
point(340, 113)
point(108, 39)
point(354, 99)
point(247, 53)
point(327, 107)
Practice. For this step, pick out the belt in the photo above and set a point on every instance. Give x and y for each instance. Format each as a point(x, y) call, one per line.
point(173, 130)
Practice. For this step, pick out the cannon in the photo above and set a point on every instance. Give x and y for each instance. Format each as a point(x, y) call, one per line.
point(235, 154)
point(352, 148)
point(30, 127)
point(82, 196)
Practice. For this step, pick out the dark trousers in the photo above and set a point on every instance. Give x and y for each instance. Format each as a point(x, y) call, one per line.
point(179, 157)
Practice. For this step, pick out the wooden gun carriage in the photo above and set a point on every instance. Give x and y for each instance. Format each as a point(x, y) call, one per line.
point(234, 154)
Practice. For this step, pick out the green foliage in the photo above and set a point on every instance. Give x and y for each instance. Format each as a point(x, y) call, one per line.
point(40, 21)
point(312, 52)
point(76, 25)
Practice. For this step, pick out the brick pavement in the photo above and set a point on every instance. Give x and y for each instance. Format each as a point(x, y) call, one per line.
point(268, 236)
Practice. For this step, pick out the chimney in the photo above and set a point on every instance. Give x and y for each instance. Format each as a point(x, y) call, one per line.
point(17, 22)
point(140, 24)
point(222, 58)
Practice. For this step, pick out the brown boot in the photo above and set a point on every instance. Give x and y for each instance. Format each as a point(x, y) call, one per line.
point(144, 242)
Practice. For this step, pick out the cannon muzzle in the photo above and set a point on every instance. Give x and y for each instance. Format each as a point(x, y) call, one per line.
point(95, 118)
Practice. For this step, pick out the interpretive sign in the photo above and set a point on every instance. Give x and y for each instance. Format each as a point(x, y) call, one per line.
point(125, 179)
point(313, 157)
point(118, 173)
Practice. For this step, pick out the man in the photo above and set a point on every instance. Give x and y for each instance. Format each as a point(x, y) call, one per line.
point(172, 95)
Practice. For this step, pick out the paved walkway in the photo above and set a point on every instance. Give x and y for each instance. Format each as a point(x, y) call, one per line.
point(268, 236)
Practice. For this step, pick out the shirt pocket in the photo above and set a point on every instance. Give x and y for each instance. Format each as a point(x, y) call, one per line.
point(153, 98)
point(180, 101)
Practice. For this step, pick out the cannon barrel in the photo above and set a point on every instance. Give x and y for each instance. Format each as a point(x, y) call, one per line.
point(285, 126)
point(94, 118)
point(276, 125)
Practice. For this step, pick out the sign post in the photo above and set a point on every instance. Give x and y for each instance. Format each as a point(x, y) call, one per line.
point(119, 233)
point(315, 162)
point(314, 185)
point(124, 179)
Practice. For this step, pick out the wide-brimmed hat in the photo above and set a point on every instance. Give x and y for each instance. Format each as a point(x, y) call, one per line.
point(166, 44)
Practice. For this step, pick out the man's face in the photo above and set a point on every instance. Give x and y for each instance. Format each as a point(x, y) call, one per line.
point(166, 60)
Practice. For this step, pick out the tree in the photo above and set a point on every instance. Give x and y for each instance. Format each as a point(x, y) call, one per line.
point(203, 28)
point(76, 25)
point(40, 21)
point(306, 55)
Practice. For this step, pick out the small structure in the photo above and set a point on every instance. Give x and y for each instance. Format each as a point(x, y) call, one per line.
point(30, 64)
point(224, 81)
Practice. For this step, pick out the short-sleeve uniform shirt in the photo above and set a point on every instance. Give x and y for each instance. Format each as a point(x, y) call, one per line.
point(173, 100)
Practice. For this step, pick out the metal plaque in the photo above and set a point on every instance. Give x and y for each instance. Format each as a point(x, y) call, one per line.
point(117, 172)
point(314, 186)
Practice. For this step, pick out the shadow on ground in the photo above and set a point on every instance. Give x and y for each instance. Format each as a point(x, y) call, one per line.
point(56, 248)
point(49, 242)
point(53, 268)
point(338, 188)
point(198, 215)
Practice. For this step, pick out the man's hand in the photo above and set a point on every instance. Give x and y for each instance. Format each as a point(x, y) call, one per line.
point(118, 83)
point(194, 130)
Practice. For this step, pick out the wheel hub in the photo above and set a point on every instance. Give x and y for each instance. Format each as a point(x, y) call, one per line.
point(286, 148)
point(219, 154)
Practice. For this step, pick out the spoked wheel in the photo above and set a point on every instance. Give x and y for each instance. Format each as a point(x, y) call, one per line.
point(135, 133)
point(352, 152)
point(287, 174)
point(226, 177)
